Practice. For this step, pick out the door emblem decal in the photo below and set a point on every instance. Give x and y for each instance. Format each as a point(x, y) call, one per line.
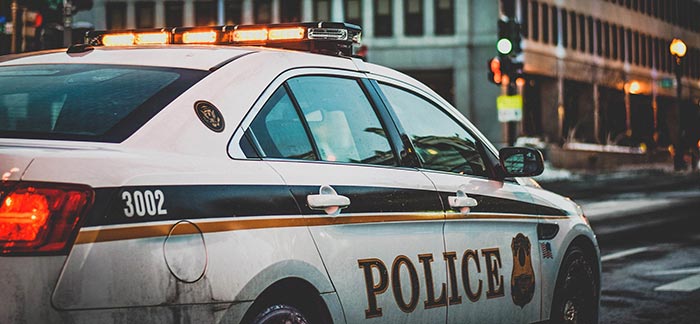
point(209, 115)
point(522, 281)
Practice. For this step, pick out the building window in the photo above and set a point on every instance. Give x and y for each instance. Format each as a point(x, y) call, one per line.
point(545, 23)
point(564, 28)
point(643, 50)
point(555, 26)
point(599, 37)
point(116, 15)
point(606, 40)
point(173, 13)
point(413, 17)
point(591, 35)
point(262, 10)
point(582, 32)
point(322, 10)
point(382, 18)
point(205, 13)
point(290, 11)
point(145, 14)
point(615, 44)
point(574, 31)
point(524, 18)
point(233, 12)
point(628, 42)
point(635, 48)
point(353, 12)
point(444, 17)
point(535, 21)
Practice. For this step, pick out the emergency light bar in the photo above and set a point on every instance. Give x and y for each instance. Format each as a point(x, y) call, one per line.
point(323, 37)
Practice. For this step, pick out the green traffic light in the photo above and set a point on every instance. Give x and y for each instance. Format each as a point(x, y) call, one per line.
point(504, 46)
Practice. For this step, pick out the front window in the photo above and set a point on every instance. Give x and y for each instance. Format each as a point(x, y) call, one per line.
point(442, 144)
point(83, 101)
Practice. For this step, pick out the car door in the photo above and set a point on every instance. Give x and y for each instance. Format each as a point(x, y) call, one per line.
point(377, 225)
point(491, 228)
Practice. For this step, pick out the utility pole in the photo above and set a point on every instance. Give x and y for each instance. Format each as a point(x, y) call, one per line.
point(67, 22)
point(13, 42)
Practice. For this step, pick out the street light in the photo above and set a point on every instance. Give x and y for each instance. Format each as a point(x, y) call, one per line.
point(678, 49)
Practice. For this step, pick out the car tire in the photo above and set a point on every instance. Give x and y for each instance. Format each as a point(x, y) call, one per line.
point(576, 293)
point(280, 314)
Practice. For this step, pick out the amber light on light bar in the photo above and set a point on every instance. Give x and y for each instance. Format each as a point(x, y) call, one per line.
point(152, 38)
point(250, 35)
point(199, 37)
point(286, 33)
point(124, 39)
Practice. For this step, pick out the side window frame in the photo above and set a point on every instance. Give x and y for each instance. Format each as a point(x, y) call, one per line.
point(242, 136)
point(489, 159)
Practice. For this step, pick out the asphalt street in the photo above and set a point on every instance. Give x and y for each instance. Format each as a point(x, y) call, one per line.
point(649, 234)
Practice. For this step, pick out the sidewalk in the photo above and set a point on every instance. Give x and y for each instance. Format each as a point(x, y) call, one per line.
point(629, 199)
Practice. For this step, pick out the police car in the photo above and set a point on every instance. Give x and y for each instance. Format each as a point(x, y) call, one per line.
point(262, 174)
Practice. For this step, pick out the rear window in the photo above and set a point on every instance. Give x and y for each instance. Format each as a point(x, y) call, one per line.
point(87, 102)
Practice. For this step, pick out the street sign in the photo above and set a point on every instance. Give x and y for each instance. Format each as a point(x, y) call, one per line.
point(8, 28)
point(666, 83)
point(510, 108)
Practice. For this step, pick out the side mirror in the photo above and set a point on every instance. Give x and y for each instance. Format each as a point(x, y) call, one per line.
point(521, 161)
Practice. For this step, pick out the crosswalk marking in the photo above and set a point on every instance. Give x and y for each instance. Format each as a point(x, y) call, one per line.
point(676, 272)
point(688, 284)
point(623, 254)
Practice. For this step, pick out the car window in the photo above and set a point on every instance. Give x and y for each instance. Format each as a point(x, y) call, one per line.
point(342, 121)
point(279, 131)
point(442, 144)
point(83, 101)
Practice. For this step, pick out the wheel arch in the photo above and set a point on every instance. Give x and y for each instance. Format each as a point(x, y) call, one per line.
point(293, 291)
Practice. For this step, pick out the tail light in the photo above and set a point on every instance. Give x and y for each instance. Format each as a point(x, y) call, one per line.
point(40, 217)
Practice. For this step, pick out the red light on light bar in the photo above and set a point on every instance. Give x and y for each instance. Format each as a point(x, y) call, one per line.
point(41, 217)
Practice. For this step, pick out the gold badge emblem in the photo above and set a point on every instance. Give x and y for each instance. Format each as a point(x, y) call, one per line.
point(209, 115)
point(522, 281)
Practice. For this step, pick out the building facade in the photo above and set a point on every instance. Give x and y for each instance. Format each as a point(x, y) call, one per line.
point(601, 71)
point(596, 71)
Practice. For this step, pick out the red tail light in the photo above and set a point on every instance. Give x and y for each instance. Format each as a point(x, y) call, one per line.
point(40, 217)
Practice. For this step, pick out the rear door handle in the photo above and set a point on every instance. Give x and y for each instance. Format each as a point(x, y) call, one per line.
point(462, 202)
point(328, 200)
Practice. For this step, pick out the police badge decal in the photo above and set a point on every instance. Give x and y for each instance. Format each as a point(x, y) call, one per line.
point(522, 281)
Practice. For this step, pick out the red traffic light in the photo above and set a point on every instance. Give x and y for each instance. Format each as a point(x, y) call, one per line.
point(495, 74)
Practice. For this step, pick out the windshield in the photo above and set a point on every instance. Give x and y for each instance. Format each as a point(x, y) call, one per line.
point(87, 102)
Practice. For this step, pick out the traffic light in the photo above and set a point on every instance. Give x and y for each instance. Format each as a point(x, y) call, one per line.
point(508, 38)
point(32, 20)
point(495, 74)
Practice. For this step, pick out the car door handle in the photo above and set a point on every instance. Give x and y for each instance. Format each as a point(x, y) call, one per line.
point(328, 200)
point(462, 202)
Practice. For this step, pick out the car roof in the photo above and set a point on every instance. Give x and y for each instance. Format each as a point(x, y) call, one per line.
point(196, 57)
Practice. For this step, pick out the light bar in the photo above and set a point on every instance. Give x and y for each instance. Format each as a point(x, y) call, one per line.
point(323, 37)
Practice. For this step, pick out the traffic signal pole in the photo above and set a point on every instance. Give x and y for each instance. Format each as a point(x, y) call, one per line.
point(13, 39)
point(67, 22)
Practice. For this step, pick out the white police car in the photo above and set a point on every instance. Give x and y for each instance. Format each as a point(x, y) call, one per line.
point(163, 177)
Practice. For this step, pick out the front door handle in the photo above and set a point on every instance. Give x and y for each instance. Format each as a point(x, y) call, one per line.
point(462, 202)
point(328, 200)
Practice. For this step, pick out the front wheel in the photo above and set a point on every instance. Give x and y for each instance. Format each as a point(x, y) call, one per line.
point(576, 294)
point(280, 314)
